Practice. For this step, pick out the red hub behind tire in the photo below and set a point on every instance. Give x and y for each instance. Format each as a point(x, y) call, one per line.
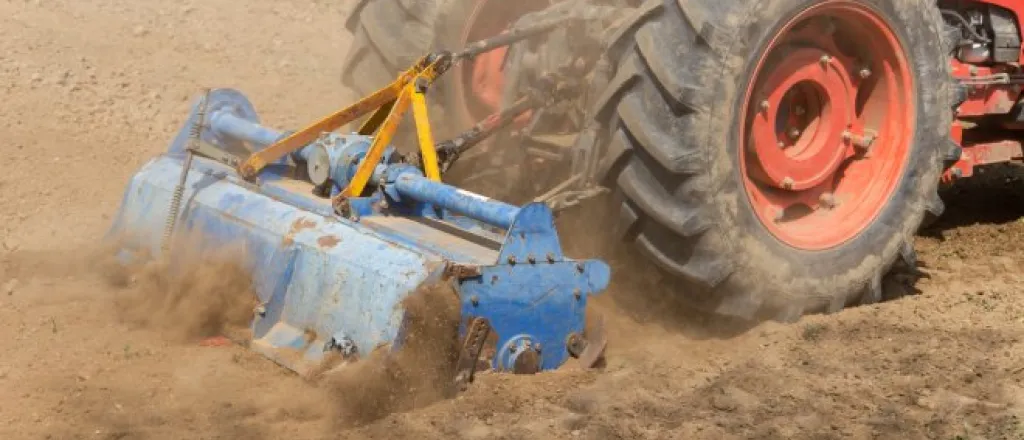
point(481, 83)
point(829, 125)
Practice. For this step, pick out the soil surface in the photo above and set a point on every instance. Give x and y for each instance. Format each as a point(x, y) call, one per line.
point(93, 89)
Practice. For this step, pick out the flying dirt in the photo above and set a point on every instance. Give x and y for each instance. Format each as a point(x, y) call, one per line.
point(97, 350)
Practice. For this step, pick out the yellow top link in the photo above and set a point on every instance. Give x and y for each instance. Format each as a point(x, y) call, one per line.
point(387, 106)
point(411, 94)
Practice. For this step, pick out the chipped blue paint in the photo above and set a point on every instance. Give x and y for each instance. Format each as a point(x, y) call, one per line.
point(320, 275)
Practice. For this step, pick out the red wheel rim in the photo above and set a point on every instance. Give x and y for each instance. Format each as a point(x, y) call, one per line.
point(481, 83)
point(828, 125)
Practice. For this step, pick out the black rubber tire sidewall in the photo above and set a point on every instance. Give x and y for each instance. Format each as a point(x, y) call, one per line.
point(843, 272)
point(451, 25)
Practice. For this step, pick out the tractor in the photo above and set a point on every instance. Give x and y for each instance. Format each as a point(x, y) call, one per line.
point(769, 159)
point(774, 158)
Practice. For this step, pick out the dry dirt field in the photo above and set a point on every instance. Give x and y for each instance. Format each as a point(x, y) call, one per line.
point(91, 89)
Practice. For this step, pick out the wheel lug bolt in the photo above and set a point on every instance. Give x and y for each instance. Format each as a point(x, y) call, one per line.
point(765, 105)
point(825, 60)
point(787, 182)
point(847, 136)
point(794, 132)
point(863, 143)
point(828, 200)
point(799, 111)
point(781, 144)
point(864, 73)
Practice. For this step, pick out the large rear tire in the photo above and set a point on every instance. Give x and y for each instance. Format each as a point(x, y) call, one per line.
point(692, 188)
point(388, 36)
point(693, 116)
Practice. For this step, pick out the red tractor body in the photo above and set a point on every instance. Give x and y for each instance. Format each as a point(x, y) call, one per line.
point(992, 89)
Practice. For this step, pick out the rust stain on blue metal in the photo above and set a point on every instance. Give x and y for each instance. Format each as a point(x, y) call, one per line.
point(302, 223)
point(297, 226)
point(328, 241)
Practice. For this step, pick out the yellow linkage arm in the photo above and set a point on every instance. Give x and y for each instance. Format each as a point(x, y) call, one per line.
point(388, 105)
point(381, 98)
point(427, 151)
point(411, 95)
point(258, 160)
point(381, 140)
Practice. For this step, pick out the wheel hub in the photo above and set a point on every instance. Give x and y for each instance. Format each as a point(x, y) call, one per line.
point(797, 138)
point(481, 83)
point(488, 81)
point(828, 125)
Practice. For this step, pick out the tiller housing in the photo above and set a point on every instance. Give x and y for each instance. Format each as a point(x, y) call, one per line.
point(332, 277)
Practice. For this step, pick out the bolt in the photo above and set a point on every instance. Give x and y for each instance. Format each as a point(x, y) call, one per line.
point(787, 182)
point(512, 260)
point(828, 200)
point(536, 346)
point(799, 110)
point(551, 258)
point(863, 143)
point(383, 204)
point(579, 267)
point(577, 294)
point(825, 60)
point(781, 144)
point(475, 300)
point(765, 105)
point(260, 310)
point(343, 207)
point(847, 135)
point(794, 132)
point(864, 73)
point(530, 259)
point(575, 344)
point(776, 213)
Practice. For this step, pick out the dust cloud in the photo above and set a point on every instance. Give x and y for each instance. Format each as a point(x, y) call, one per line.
point(196, 295)
point(81, 115)
point(419, 374)
point(207, 293)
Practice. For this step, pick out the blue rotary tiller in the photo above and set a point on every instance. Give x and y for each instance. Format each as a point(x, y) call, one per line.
point(333, 257)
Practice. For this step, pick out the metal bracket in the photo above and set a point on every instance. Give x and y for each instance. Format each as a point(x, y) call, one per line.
point(469, 356)
point(589, 350)
point(213, 153)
